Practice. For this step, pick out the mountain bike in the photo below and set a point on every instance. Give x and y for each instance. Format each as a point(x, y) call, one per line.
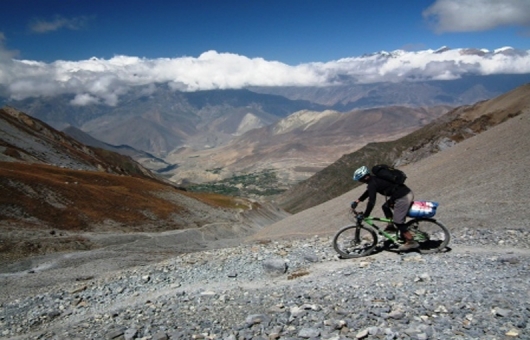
point(361, 239)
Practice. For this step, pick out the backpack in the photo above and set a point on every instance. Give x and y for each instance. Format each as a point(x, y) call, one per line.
point(389, 173)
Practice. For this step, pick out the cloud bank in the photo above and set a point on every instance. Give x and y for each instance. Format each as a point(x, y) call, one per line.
point(105, 80)
point(477, 15)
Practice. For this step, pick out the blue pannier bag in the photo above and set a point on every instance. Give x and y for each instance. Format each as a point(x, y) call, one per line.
point(422, 209)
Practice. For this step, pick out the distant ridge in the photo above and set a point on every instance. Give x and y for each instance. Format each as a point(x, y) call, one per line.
point(165, 120)
point(146, 159)
point(29, 140)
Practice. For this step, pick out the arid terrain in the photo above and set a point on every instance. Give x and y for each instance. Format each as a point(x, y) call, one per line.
point(58, 195)
point(441, 134)
point(145, 287)
point(480, 183)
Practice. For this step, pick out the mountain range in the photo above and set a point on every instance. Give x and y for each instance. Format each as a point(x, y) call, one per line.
point(289, 133)
point(58, 194)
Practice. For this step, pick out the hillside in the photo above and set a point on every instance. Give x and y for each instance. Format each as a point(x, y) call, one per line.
point(481, 183)
point(452, 128)
point(57, 194)
point(25, 139)
point(146, 159)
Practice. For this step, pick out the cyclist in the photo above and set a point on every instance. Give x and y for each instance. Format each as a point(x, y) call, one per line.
point(399, 197)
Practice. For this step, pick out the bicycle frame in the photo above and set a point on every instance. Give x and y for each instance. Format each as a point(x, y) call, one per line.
point(370, 221)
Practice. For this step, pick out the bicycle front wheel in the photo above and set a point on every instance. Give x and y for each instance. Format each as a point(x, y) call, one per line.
point(432, 235)
point(355, 241)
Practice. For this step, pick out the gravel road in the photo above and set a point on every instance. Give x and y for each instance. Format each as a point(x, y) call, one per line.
point(297, 289)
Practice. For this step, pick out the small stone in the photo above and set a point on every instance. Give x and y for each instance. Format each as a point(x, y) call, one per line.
point(396, 315)
point(307, 333)
point(130, 334)
point(114, 334)
point(502, 312)
point(256, 319)
point(362, 334)
point(208, 293)
point(311, 257)
point(441, 309)
point(423, 278)
point(275, 266)
point(78, 289)
point(160, 336)
point(509, 259)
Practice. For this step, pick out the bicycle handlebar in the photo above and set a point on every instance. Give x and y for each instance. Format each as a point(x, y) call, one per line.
point(357, 214)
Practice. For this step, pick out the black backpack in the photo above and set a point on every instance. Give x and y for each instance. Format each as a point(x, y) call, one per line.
point(389, 173)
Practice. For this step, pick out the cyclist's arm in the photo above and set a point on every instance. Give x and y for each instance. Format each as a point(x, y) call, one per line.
point(363, 196)
point(371, 192)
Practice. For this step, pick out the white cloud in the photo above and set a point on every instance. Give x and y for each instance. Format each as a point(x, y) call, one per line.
point(104, 81)
point(84, 99)
point(477, 15)
point(59, 22)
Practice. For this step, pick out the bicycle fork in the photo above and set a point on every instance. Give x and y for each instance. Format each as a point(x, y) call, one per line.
point(358, 234)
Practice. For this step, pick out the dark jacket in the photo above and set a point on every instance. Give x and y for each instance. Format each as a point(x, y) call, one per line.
point(378, 185)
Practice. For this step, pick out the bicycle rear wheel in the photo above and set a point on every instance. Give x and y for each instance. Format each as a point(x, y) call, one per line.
point(432, 235)
point(355, 241)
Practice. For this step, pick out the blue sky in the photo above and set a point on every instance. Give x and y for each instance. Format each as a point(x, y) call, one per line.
point(289, 31)
point(99, 49)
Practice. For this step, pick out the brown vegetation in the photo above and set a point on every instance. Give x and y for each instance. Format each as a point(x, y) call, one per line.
point(45, 209)
point(78, 200)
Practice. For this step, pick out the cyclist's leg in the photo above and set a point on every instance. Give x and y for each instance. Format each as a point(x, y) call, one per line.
point(387, 210)
point(401, 207)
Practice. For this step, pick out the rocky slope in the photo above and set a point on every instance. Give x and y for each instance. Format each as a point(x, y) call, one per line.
point(453, 127)
point(480, 183)
point(29, 140)
point(144, 158)
point(286, 290)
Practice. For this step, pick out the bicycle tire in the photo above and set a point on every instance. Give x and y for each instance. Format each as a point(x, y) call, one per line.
point(344, 241)
point(431, 234)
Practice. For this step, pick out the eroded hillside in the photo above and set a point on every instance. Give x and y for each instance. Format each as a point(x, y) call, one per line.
point(54, 191)
point(451, 128)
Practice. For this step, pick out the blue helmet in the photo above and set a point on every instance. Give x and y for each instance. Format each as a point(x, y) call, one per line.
point(360, 173)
